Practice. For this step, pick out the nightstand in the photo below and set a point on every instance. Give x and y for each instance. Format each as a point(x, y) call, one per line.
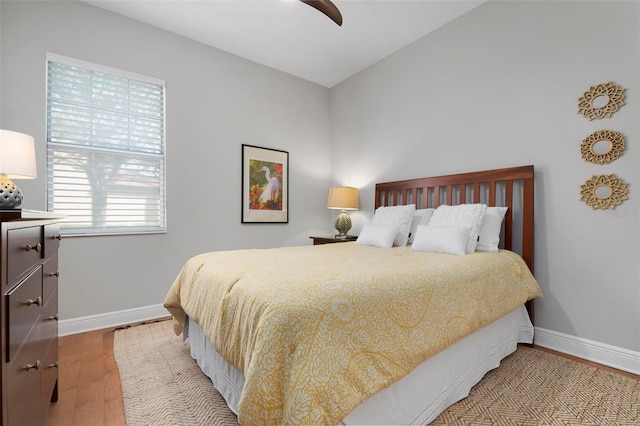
point(330, 240)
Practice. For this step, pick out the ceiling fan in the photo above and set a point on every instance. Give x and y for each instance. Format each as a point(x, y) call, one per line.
point(326, 7)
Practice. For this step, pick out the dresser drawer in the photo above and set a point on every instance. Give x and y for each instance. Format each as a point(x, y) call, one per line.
point(24, 250)
point(51, 239)
point(24, 404)
point(49, 319)
point(49, 374)
point(23, 305)
point(50, 276)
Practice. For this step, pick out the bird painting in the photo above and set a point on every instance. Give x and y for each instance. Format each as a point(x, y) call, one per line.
point(265, 185)
point(270, 192)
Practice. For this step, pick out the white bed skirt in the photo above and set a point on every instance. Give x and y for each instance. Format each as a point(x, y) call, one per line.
point(416, 399)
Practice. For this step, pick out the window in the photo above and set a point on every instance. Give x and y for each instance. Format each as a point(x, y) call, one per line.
point(105, 148)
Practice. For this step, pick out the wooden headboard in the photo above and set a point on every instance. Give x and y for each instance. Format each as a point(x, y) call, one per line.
point(509, 187)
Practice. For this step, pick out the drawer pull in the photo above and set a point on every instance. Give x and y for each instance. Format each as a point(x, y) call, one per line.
point(54, 317)
point(54, 365)
point(30, 366)
point(30, 302)
point(37, 247)
point(56, 237)
point(54, 274)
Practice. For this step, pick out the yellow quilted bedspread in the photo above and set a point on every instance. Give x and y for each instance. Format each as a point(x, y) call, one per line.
point(316, 330)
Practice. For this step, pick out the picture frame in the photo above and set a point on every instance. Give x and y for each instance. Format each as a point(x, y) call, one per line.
point(265, 185)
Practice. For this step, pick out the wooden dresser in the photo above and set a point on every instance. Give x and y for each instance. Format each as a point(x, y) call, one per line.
point(29, 315)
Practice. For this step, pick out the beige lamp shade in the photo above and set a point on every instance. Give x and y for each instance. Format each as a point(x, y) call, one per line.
point(343, 198)
point(17, 155)
point(17, 161)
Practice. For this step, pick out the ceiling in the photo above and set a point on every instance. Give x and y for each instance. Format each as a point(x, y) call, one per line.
point(292, 37)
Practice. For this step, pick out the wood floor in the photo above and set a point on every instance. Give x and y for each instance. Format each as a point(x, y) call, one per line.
point(89, 384)
point(89, 392)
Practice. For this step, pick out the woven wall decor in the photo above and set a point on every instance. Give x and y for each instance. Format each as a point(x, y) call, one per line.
point(604, 192)
point(608, 99)
point(602, 147)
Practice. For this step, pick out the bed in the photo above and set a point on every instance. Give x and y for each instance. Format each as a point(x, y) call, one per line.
point(353, 333)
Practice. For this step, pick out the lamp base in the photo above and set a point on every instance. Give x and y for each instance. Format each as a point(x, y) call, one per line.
point(10, 195)
point(343, 224)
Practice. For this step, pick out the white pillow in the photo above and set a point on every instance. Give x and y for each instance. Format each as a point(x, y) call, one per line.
point(442, 239)
point(490, 229)
point(469, 215)
point(400, 216)
point(377, 236)
point(420, 217)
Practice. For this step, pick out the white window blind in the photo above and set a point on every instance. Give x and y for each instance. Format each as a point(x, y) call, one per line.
point(105, 148)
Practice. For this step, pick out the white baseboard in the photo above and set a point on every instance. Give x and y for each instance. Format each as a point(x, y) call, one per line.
point(601, 353)
point(110, 319)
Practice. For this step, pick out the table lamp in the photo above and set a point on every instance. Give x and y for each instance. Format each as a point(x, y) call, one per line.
point(343, 198)
point(17, 161)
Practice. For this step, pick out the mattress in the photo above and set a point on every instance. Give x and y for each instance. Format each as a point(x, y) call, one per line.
point(419, 397)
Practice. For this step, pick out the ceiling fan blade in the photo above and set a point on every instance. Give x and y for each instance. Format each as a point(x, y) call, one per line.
point(326, 7)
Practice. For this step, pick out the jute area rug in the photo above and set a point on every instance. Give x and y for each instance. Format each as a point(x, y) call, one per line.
point(162, 385)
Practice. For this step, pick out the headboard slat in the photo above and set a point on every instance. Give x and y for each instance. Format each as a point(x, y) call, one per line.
point(508, 219)
point(414, 196)
point(527, 218)
point(476, 192)
point(492, 193)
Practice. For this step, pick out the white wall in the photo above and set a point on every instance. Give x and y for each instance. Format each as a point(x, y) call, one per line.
point(498, 87)
point(215, 103)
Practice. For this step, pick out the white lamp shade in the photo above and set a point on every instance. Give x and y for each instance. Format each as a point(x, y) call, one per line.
point(343, 198)
point(17, 155)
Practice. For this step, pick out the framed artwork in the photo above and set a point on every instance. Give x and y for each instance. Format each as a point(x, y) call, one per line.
point(265, 185)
